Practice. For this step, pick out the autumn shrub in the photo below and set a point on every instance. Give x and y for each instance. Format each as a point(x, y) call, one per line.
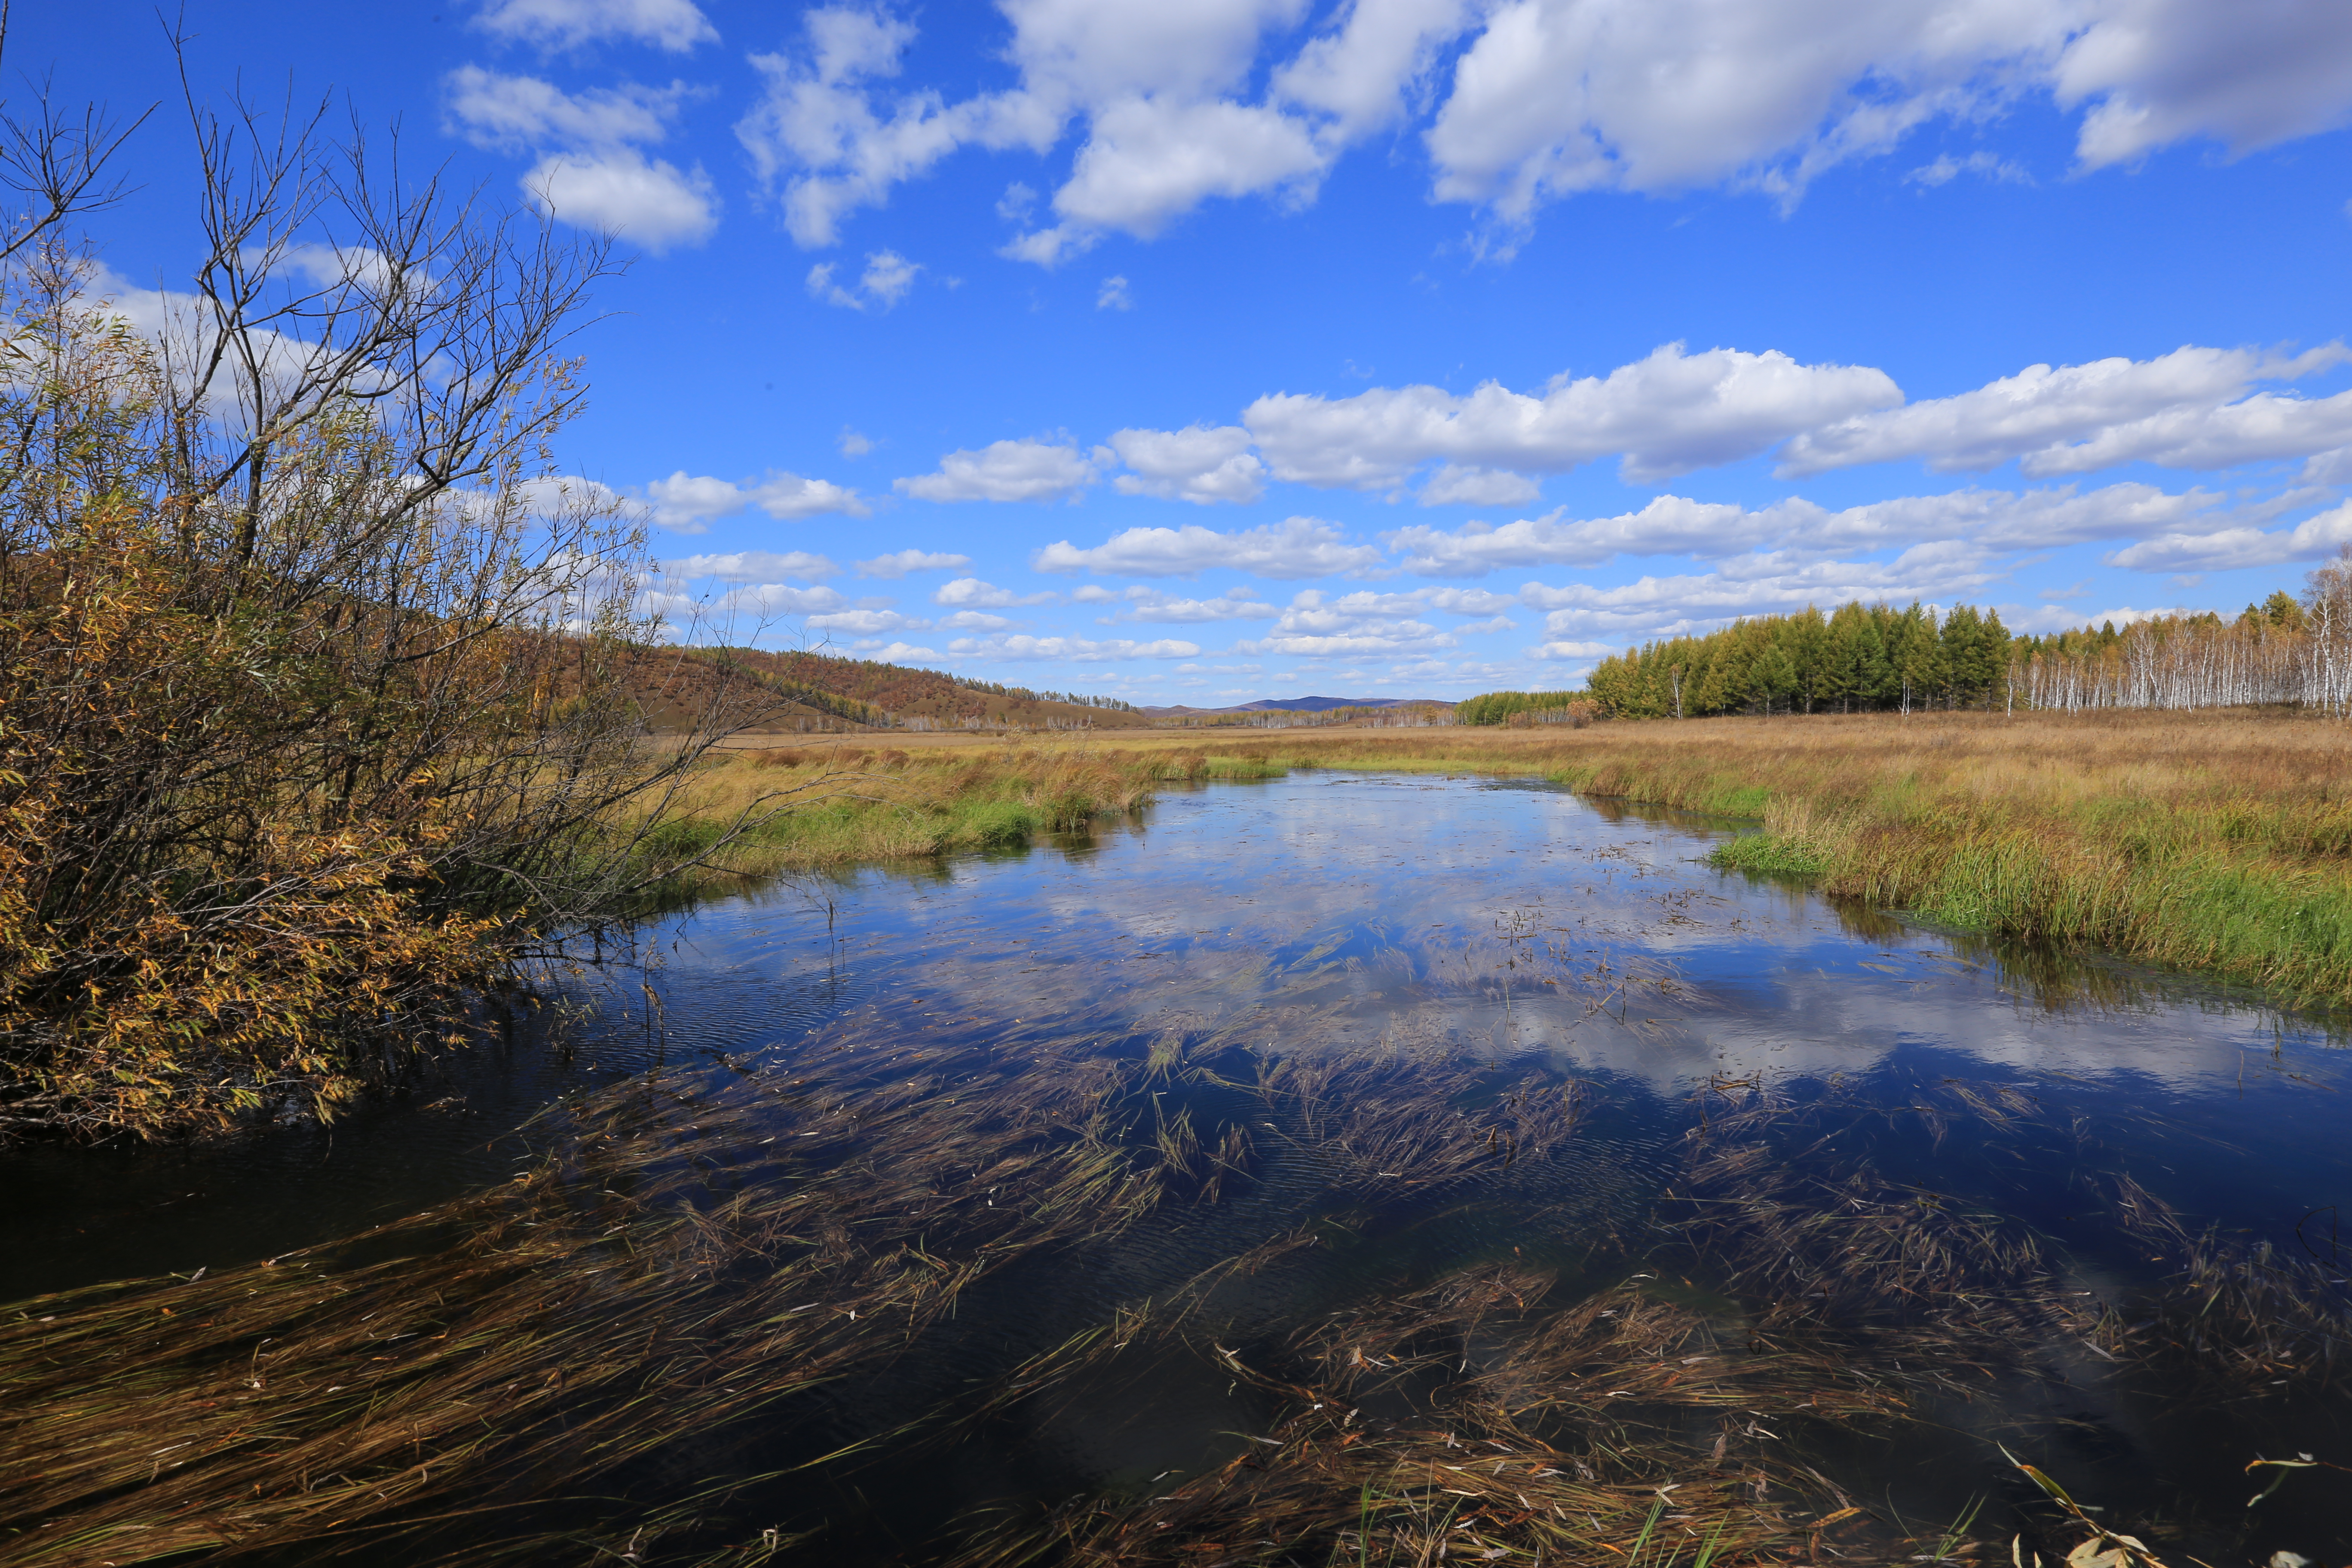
point(312, 717)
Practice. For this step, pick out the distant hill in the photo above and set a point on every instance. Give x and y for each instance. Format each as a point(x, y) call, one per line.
point(1305, 705)
point(821, 692)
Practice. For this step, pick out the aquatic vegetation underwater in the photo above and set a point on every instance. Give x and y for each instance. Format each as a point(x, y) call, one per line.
point(1035, 1295)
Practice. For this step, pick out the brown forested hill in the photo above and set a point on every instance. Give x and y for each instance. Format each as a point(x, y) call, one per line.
point(819, 691)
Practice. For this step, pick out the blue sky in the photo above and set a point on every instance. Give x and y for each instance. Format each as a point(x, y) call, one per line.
point(1248, 348)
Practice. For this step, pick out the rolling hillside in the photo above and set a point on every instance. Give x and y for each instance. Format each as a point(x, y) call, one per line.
point(819, 692)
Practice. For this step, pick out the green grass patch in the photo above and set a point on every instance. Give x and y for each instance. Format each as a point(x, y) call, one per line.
point(1770, 855)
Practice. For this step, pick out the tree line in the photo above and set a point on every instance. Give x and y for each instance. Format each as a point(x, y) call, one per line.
point(1022, 694)
point(1873, 657)
point(1857, 658)
point(2283, 652)
point(1522, 709)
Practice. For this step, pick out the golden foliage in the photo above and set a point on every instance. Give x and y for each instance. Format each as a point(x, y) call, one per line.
point(287, 764)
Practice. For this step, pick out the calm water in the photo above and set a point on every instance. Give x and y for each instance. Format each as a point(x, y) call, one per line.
point(1322, 915)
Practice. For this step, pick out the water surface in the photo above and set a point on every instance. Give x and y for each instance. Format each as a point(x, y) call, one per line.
point(1504, 939)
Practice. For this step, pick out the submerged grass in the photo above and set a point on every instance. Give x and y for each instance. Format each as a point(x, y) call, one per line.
point(680, 1261)
point(720, 1312)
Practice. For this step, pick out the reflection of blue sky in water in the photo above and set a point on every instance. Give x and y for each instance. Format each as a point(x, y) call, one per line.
point(1315, 913)
point(1346, 907)
point(1326, 912)
point(1453, 922)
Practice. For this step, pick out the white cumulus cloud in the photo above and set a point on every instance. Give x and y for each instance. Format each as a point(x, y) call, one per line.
point(1666, 414)
point(900, 653)
point(590, 174)
point(1318, 625)
point(867, 623)
point(688, 503)
point(816, 138)
point(2225, 548)
point(900, 562)
point(516, 113)
point(676, 26)
point(2181, 409)
point(887, 278)
point(2161, 72)
point(1759, 584)
point(1199, 463)
point(1518, 102)
point(1555, 96)
point(1675, 525)
point(969, 593)
point(1146, 160)
point(647, 201)
point(752, 565)
point(1150, 605)
point(779, 599)
point(1159, 91)
point(1006, 470)
point(1295, 547)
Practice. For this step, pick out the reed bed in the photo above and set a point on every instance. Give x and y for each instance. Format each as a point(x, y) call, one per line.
point(1466, 1310)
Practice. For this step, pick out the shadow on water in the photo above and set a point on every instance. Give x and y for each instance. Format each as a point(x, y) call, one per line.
point(1342, 1170)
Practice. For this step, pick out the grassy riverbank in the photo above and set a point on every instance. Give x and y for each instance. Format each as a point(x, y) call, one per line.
point(812, 807)
point(2221, 842)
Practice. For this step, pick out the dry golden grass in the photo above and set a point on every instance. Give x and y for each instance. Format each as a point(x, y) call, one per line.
point(796, 808)
point(1707, 763)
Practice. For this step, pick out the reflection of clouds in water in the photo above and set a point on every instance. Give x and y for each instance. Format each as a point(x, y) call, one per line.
point(1819, 1024)
point(1313, 913)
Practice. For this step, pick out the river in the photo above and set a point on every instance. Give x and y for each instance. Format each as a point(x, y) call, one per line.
point(1460, 1081)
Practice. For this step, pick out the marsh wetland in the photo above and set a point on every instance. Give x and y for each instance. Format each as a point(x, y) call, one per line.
point(1364, 1169)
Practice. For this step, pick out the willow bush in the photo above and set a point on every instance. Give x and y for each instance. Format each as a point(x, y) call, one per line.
point(319, 685)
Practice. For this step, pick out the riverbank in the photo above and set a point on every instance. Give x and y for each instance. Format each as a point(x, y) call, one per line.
point(2221, 842)
point(808, 807)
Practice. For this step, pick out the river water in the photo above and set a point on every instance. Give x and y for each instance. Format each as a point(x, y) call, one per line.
point(2150, 1138)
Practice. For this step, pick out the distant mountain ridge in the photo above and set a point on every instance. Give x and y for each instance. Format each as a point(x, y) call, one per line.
point(1308, 705)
